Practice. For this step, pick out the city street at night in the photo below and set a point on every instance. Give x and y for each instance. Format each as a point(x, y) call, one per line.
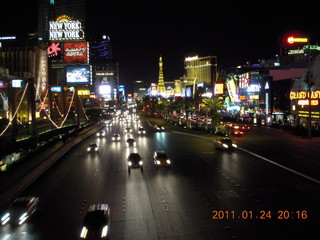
point(146, 120)
point(206, 193)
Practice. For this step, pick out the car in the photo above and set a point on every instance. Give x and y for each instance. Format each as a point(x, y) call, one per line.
point(101, 133)
point(20, 210)
point(3, 166)
point(96, 223)
point(159, 128)
point(225, 143)
point(135, 161)
point(141, 130)
point(108, 123)
point(93, 147)
point(236, 127)
point(161, 158)
point(116, 137)
point(128, 130)
point(245, 127)
point(237, 133)
point(131, 142)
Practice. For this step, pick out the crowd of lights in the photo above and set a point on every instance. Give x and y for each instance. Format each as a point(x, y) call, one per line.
point(42, 107)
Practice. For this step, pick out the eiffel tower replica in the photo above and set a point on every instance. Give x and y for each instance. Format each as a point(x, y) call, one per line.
point(161, 88)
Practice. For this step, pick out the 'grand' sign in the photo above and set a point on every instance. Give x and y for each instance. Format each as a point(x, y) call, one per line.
point(304, 95)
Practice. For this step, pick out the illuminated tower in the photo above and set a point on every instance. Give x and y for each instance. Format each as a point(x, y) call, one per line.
point(161, 88)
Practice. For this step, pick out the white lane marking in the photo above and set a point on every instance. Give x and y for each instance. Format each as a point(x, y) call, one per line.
point(261, 157)
point(281, 166)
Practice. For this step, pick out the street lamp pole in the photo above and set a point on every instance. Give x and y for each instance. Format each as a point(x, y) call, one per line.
point(309, 92)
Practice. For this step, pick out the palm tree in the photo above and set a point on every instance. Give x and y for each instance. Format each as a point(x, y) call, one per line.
point(213, 106)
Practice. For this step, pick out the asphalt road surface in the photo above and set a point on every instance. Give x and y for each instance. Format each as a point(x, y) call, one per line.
point(206, 194)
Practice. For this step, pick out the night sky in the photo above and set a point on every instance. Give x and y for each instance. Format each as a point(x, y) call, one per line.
point(141, 31)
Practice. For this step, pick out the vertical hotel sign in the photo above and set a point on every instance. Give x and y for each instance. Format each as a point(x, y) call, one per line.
point(232, 89)
point(43, 68)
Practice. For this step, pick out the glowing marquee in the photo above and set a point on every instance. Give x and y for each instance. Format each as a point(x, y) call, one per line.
point(306, 98)
point(304, 95)
point(65, 29)
point(292, 40)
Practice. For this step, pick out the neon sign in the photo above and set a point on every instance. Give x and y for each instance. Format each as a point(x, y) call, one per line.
point(53, 49)
point(191, 58)
point(304, 95)
point(64, 29)
point(292, 40)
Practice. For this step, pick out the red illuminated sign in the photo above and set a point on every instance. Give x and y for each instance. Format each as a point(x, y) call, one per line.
point(75, 52)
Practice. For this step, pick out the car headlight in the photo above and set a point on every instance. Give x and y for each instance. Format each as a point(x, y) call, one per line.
point(113, 138)
point(158, 128)
point(225, 145)
point(158, 162)
point(162, 128)
point(96, 149)
point(144, 132)
point(5, 218)
point(84, 232)
point(168, 161)
point(104, 231)
point(140, 163)
point(98, 134)
point(234, 145)
point(88, 149)
point(23, 218)
point(129, 163)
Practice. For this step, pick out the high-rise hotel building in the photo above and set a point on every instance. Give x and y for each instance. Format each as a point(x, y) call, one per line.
point(50, 9)
point(201, 70)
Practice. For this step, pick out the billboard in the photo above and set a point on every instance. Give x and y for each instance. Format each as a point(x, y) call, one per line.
point(76, 52)
point(78, 74)
point(219, 88)
point(56, 89)
point(65, 29)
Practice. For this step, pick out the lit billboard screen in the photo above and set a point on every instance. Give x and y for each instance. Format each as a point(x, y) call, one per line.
point(78, 74)
point(105, 89)
point(56, 89)
point(218, 88)
point(16, 83)
point(76, 52)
